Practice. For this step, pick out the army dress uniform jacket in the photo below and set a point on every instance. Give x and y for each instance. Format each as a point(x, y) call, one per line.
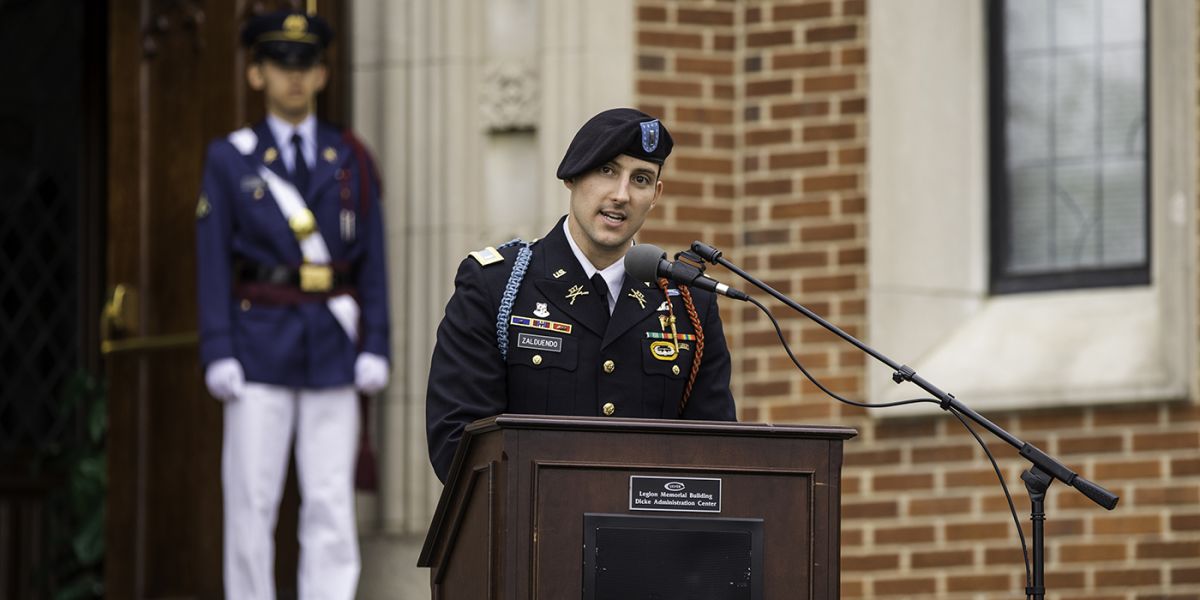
point(296, 341)
point(562, 358)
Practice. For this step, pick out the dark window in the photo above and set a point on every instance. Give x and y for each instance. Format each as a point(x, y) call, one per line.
point(1069, 144)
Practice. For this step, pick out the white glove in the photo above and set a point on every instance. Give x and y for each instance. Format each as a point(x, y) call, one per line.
point(370, 373)
point(225, 379)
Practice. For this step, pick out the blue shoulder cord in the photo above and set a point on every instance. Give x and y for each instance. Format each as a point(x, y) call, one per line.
point(510, 293)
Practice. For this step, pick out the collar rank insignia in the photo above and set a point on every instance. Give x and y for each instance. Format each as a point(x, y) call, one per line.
point(559, 273)
point(203, 207)
point(575, 292)
point(639, 296)
point(541, 310)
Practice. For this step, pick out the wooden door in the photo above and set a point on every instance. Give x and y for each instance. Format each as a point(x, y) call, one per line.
point(175, 82)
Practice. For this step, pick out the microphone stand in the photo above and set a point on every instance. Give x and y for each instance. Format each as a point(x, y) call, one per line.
point(1044, 470)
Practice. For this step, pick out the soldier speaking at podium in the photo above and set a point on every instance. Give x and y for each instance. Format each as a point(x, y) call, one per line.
point(293, 313)
point(555, 326)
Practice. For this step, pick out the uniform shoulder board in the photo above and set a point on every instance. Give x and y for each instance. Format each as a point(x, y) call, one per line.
point(487, 256)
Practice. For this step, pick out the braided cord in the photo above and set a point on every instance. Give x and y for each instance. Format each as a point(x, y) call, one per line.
point(510, 294)
point(694, 317)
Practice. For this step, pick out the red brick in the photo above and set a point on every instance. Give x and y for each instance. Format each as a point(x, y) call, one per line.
point(794, 160)
point(852, 256)
point(959, 532)
point(854, 205)
point(1185, 575)
point(682, 89)
point(763, 137)
point(802, 60)
point(835, 33)
point(831, 283)
point(800, 413)
point(802, 11)
point(829, 83)
point(1181, 467)
point(707, 214)
point(651, 62)
point(1180, 440)
point(855, 8)
point(765, 236)
point(977, 583)
point(870, 457)
point(902, 482)
point(943, 453)
point(870, 562)
point(906, 429)
point(698, 164)
point(941, 559)
point(869, 510)
point(1186, 495)
point(770, 187)
point(1091, 445)
point(770, 87)
point(657, 38)
point(802, 209)
point(1167, 550)
point(853, 56)
point(822, 133)
point(725, 43)
point(792, 110)
point(971, 478)
point(852, 156)
point(1126, 525)
point(704, 66)
point(797, 260)
point(1091, 552)
point(918, 534)
point(1124, 416)
point(781, 37)
point(827, 233)
point(1126, 578)
point(693, 16)
point(1136, 469)
point(906, 587)
point(651, 14)
point(768, 388)
point(830, 183)
point(853, 106)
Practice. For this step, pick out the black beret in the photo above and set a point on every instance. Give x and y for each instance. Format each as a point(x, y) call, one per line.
point(290, 38)
point(612, 132)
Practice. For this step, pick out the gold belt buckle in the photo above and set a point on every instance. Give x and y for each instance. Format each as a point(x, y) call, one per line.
point(316, 278)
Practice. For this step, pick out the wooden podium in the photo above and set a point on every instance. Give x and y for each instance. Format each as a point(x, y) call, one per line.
point(601, 508)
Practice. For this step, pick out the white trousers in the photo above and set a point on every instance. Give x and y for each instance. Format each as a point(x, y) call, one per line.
point(259, 428)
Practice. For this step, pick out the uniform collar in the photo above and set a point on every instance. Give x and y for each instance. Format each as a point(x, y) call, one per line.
point(282, 130)
point(614, 274)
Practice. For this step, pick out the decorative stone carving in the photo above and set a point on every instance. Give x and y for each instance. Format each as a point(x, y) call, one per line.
point(509, 96)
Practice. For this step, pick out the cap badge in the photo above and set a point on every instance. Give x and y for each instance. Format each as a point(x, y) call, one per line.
point(541, 310)
point(650, 135)
point(294, 26)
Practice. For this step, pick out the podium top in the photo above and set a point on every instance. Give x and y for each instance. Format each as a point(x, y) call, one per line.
point(626, 425)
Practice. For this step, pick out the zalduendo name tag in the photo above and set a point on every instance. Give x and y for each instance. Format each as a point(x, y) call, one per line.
point(684, 494)
point(539, 342)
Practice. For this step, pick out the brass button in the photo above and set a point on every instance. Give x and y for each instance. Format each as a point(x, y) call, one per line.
point(537, 359)
point(675, 369)
point(609, 409)
point(245, 305)
point(609, 366)
point(259, 193)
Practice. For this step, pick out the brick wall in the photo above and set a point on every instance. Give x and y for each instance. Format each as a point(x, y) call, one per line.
point(767, 102)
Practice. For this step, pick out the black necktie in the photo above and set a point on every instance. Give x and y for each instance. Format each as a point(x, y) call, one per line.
point(299, 165)
point(602, 290)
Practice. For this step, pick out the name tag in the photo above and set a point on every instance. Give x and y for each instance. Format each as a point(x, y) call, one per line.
point(539, 342)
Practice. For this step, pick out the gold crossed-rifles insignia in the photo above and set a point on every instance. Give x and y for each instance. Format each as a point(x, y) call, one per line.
point(639, 296)
point(575, 292)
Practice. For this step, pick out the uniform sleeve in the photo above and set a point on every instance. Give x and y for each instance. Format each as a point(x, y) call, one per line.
point(711, 398)
point(372, 273)
point(467, 377)
point(214, 230)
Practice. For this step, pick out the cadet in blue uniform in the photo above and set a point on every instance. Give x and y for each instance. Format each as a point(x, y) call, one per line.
point(556, 327)
point(293, 313)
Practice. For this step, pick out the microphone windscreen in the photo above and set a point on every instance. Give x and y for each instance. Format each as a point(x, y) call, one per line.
point(641, 262)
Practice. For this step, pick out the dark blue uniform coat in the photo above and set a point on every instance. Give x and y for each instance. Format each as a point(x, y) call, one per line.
point(550, 371)
point(296, 345)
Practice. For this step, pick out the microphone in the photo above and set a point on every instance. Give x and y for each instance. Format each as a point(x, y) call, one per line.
point(646, 262)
